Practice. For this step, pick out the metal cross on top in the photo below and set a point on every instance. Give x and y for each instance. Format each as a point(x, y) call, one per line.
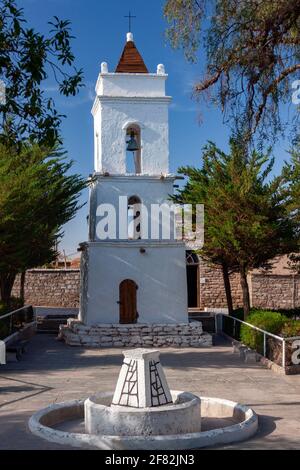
point(129, 16)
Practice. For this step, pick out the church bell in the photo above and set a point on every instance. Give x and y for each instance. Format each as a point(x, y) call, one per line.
point(132, 145)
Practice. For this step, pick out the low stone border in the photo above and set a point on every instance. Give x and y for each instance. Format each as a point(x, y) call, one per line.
point(256, 357)
point(40, 422)
point(288, 370)
point(156, 335)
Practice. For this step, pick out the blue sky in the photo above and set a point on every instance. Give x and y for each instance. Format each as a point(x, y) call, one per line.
point(100, 30)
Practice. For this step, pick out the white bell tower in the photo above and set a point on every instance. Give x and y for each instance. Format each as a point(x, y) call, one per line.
point(133, 268)
point(131, 100)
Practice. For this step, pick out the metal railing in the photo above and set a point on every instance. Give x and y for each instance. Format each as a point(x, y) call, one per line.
point(236, 335)
point(14, 321)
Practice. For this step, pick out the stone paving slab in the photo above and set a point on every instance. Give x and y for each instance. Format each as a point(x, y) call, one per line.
point(53, 372)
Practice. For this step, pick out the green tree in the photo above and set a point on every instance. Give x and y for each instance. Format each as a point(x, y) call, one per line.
point(38, 195)
point(252, 55)
point(291, 172)
point(247, 222)
point(27, 59)
point(201, 189)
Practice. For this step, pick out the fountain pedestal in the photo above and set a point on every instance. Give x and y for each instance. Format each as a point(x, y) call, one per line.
point(142, 382)
point(142, 403)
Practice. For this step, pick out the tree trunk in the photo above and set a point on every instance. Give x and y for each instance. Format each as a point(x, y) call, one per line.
point(22, 287)
point(227, 288)
point(245, 290)
point(6, 284)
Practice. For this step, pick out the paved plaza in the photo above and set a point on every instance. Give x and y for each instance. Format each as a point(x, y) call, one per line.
point(52, 372)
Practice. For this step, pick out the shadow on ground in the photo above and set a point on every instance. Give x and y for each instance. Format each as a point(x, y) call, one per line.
point(46, 353)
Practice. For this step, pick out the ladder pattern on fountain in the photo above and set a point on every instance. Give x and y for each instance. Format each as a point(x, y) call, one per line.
point(130, 386)
point(158, 394)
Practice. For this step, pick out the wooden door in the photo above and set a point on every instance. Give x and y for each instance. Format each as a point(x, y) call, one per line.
point(128, 305)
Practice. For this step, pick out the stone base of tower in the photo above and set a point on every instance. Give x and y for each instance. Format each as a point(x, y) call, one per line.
point(146, 277)
point(154, 335)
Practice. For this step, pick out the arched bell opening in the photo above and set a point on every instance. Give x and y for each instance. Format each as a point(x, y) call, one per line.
point(133, 149)
point(134, 218)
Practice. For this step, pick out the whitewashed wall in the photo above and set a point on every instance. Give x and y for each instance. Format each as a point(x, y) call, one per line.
point(124, 99)
point(131, 84)
point(149, 190)
point(112, 119)
point(160, 274)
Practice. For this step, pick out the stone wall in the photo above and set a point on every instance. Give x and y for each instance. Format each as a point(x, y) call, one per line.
point(60, 288)
point(266, 290)
point(275, 291)
point(212, 292)
point(157, 335)
point(50, 287)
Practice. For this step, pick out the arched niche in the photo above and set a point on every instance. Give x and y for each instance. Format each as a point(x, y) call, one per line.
point(133, 133)
point(134, 218)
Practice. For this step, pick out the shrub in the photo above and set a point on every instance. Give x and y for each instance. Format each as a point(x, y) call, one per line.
point(238, 313)
point(232, 328)
point(15, 304)
point(291, 313)
point(9, 325)
point(4, 328)
point(291, 328)
point(3, 309)
point(272, 322)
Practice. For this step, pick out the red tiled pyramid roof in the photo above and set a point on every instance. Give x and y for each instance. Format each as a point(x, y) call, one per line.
point(131, 60)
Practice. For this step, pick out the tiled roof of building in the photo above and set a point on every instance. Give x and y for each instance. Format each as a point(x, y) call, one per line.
point(131, 60)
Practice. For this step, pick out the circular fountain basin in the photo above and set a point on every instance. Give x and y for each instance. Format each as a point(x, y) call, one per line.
point(180, 417)
point(232, 422)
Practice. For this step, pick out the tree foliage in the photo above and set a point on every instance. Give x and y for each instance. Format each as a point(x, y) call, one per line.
point(291, 172)
point(247, 221)
point(27, 59)
point(253, 55)
point(37, 197)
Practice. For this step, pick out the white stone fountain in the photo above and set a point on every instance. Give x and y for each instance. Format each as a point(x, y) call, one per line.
point(143, 413)
point(142, 403)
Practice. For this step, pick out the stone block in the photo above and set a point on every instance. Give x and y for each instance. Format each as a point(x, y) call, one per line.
point(251, 356)
point(105, 339)
point(133, 338)
point(177, 340)
point(146, 330)
point(157, 329)
point(242, 352)
point(106, 345)
point(167, 329)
